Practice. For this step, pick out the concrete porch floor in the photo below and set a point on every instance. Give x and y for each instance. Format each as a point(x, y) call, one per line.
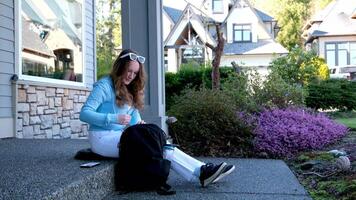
point(46, 169)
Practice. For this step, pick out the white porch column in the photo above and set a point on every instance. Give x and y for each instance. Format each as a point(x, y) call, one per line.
point(142, 31)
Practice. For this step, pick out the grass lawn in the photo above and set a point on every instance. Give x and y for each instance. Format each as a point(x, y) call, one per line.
point(349, 122)
point(347, 118)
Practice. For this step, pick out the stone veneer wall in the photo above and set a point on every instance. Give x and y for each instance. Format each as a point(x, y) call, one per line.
point(48, 112)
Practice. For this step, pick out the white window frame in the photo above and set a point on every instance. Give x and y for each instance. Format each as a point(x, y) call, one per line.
point(18, 51)
point(242, 30)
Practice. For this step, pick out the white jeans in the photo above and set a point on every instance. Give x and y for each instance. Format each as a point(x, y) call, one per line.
point(105, 143)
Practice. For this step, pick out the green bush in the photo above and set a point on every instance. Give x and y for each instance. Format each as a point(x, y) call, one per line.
point(207, 124)
point(275, 92)
point(332, 93)
point(300, 67)
point(238, 87)
point(190, 76)
point(251, 92)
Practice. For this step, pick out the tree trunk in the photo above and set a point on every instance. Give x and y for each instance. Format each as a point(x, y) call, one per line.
point(111, 27)
point(218, 50)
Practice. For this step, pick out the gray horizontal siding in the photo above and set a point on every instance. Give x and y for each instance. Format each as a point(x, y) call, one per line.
point(5, 112)
point(6, 22)
point(6, 11)
point(90, 43)
point(7, 45)
point(89, 75)
point(89, 24)
point(7, 34)
point(9, 3)
point(6, 68)
point(7, 56)
point(5, 102)
point(5, 91)
point(5, 79)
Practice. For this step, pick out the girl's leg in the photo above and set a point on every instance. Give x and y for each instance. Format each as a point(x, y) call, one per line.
point(105, 143)
point(183, 164)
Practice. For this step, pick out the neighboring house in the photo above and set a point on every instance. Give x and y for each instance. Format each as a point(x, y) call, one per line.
point(48, 63)
point(332, 34)
point(249, 34)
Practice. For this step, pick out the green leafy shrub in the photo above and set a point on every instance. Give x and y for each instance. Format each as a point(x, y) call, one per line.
point(332, 93)
point(187, 77)
point(225, 73)
point(300, 67)
point(190, 76)
point(276, 92)
point(238, 88)
point(207, 124)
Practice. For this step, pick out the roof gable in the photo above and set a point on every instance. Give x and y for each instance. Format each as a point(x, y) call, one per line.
point(173, 13)
point(189, 17)
point(242, 4)
point(334, 19)
point(264, 16)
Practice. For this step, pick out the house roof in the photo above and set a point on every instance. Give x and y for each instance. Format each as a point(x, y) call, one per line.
point(32, 41)
point(54, 15)
point(335, 19)
point(253, 48)
point(195, 22)
point(264, 17)
point(267, 46)
point(173, 13)
point(235, 5)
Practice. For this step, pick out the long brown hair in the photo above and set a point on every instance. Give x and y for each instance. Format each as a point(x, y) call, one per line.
point(131, 94)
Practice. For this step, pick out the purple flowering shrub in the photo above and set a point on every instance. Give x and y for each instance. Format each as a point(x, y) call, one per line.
point(284, 132)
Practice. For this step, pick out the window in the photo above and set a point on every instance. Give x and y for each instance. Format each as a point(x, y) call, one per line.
point(330, 55)
point(52, 40)
point(218, 6)
point(242, 33)
point(165, 60)
point(193, 54)
point(353, 53)
point(340, 53)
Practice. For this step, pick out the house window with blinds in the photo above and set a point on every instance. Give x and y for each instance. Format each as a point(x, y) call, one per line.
point(242, 33)
point(52, 41)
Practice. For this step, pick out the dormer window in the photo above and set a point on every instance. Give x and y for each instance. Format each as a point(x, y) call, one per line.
point(218, 6)
point(242, 32)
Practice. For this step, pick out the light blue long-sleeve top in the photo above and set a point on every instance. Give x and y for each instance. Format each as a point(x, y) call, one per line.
point(100, 110)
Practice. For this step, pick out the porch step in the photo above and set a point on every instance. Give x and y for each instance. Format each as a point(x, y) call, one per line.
point(46, 169)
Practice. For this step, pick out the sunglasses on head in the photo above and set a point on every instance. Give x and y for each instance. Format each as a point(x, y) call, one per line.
point(134, 57)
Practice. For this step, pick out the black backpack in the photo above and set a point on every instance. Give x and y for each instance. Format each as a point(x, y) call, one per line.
point(141, 165)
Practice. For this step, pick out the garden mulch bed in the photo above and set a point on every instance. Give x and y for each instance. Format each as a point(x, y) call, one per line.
point(320, 174)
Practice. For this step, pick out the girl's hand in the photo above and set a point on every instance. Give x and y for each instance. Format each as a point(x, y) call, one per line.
point(124, 119)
